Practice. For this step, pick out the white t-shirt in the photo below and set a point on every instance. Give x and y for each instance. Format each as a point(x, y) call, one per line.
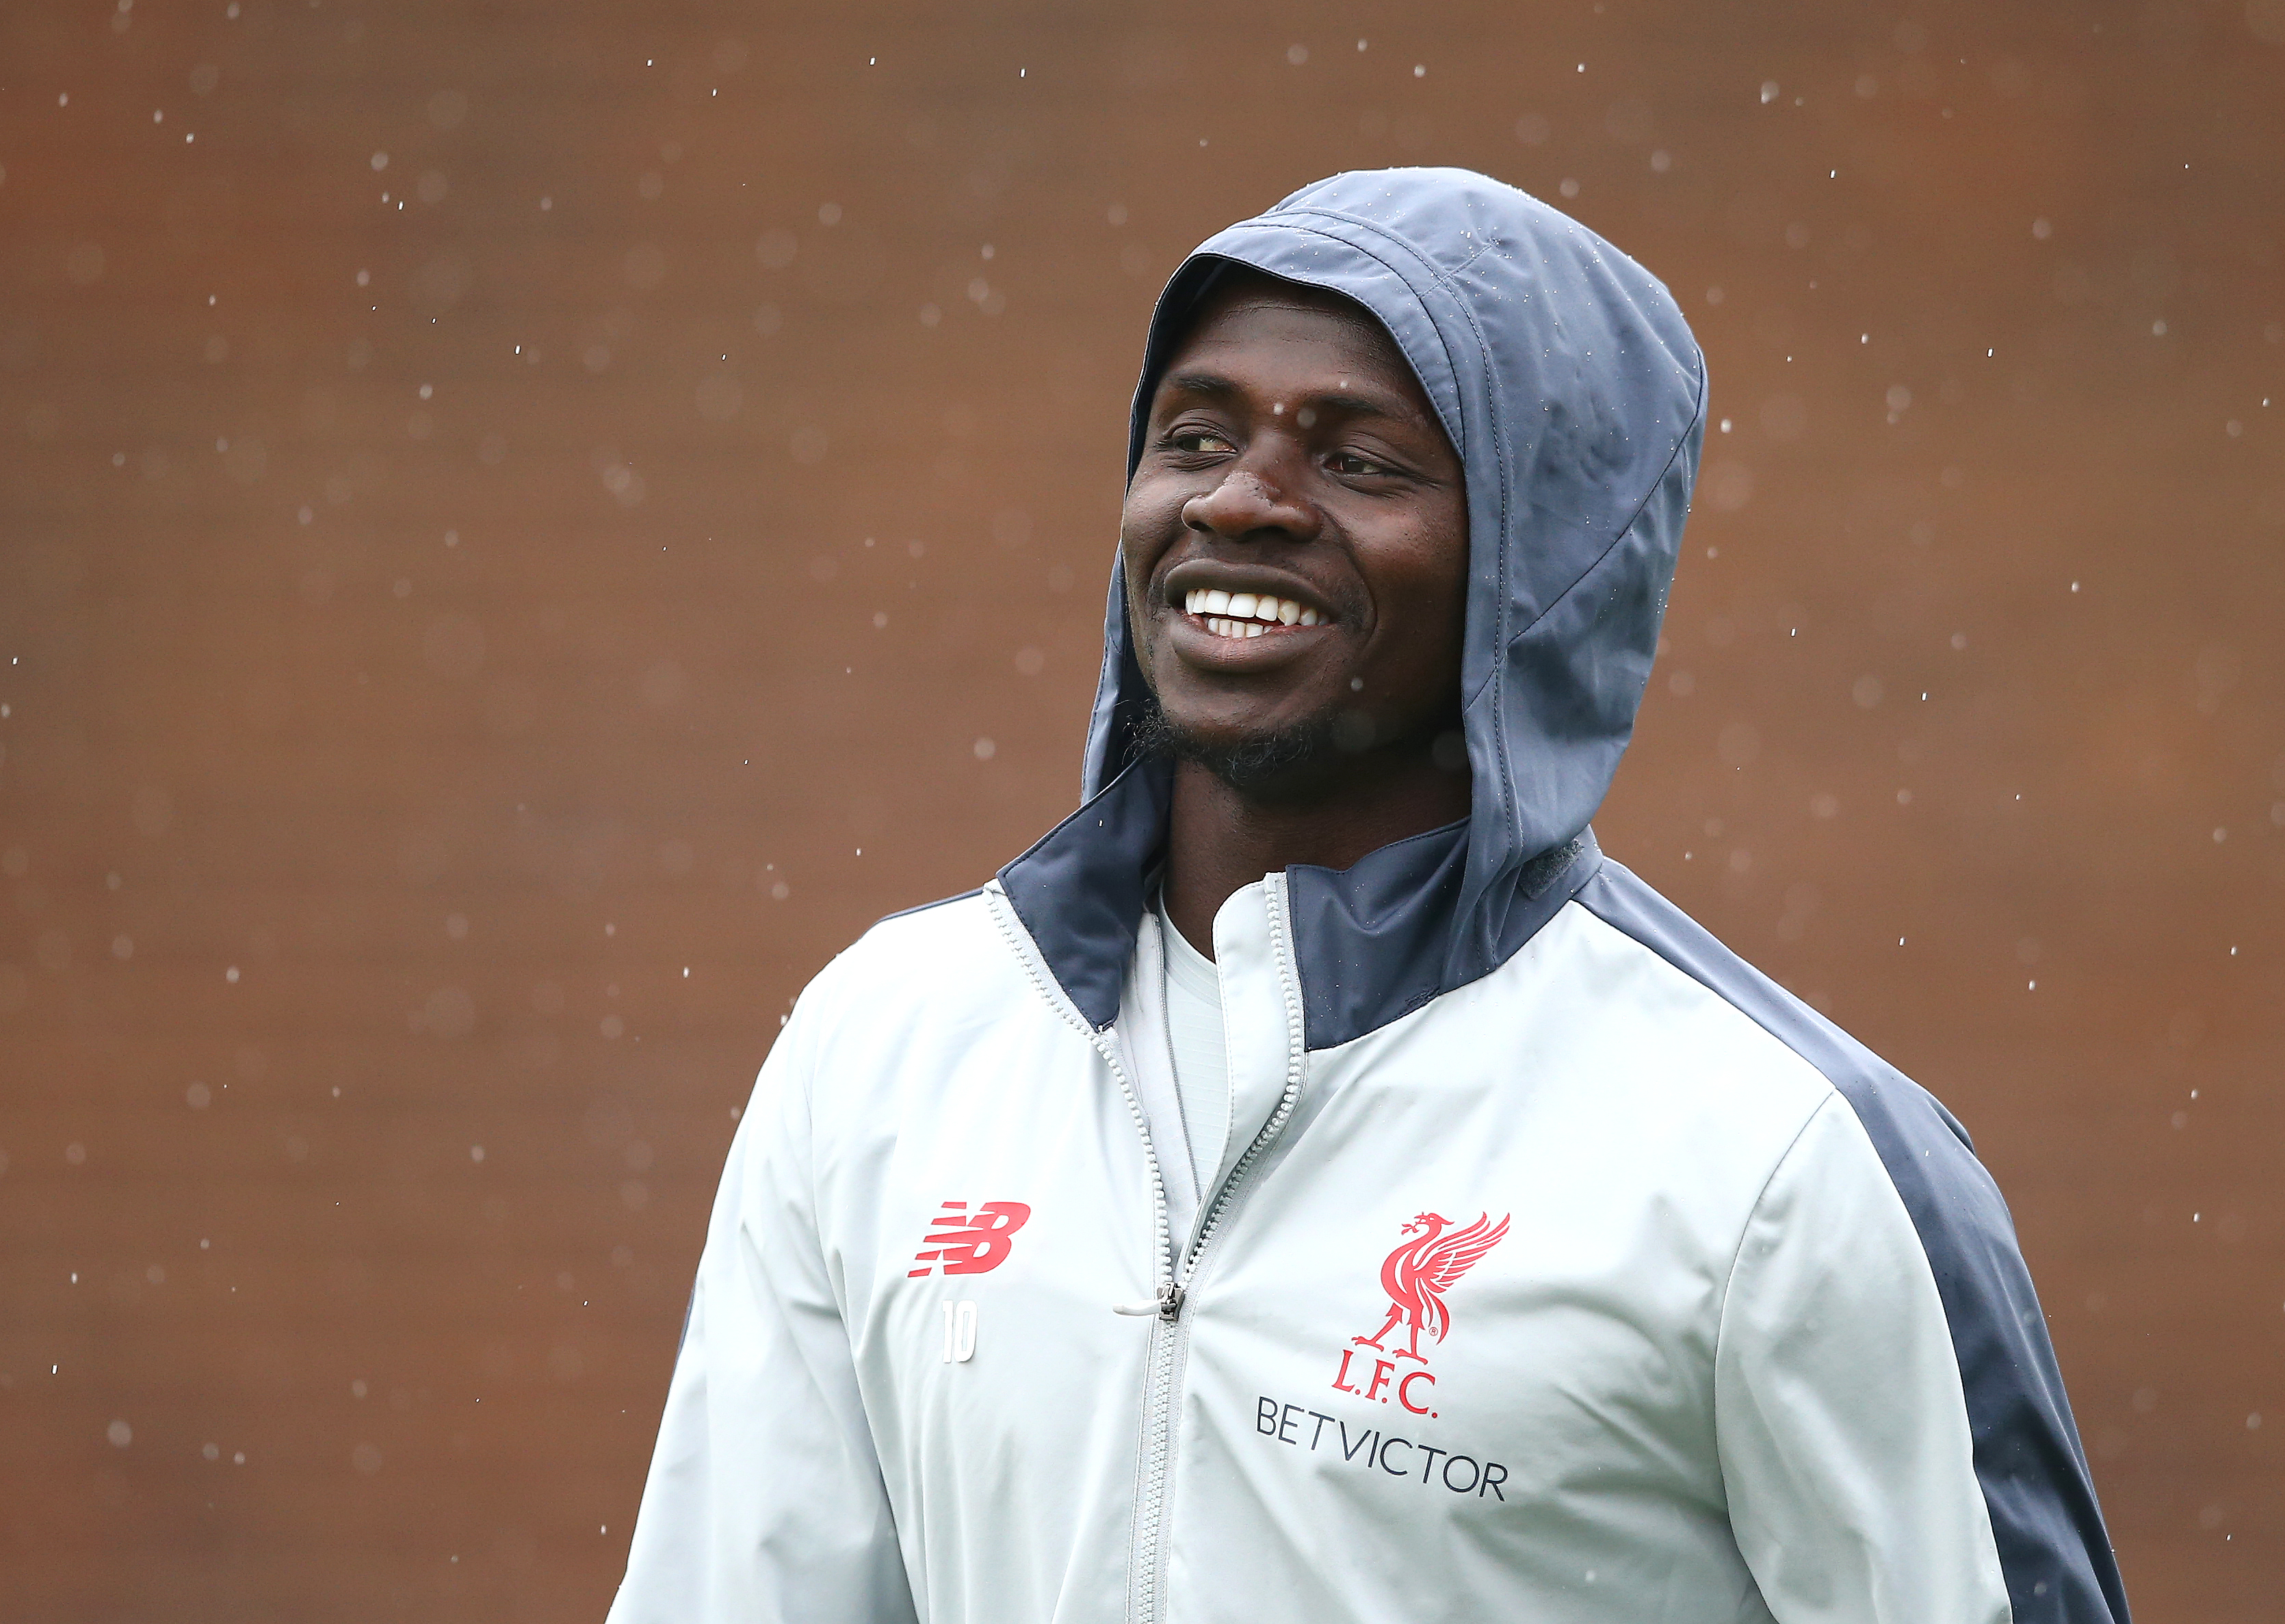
point(1194, 1037)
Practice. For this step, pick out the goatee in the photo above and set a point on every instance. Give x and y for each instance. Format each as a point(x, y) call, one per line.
point(1257, 767)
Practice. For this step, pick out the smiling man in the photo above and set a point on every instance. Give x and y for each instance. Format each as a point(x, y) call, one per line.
point(1313, 1182)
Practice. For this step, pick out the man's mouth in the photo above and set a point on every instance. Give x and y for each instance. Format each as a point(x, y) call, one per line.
point(1243, 614)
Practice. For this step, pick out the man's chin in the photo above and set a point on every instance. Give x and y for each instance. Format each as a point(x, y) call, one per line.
point(1273, 764)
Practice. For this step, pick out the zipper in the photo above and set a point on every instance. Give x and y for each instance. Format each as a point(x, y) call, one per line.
point(1146, 1580)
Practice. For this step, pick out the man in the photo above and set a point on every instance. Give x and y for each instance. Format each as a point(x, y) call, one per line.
point(1313, 1182)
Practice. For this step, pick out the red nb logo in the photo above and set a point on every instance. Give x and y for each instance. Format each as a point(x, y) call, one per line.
point(1416, 1276)
point(969, 1244)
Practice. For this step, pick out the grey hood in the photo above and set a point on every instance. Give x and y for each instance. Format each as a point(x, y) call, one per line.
point(1567, 380)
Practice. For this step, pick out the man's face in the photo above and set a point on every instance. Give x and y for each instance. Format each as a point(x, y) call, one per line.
point(1296, 544)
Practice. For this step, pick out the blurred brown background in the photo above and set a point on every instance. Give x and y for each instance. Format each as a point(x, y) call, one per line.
point(527, 526)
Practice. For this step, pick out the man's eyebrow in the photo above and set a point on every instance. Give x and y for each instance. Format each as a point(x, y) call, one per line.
point(1213, 386)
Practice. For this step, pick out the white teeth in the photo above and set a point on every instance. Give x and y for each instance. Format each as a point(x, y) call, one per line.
point(1248, 613)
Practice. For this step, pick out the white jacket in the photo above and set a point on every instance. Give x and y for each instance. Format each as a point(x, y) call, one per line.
point(1703, 1372)
point(1569, 1270)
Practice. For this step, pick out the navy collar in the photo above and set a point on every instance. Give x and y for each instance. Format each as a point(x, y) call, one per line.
point(1372, 942)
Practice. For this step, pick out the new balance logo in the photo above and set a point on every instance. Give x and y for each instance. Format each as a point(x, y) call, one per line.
point(966, 1243)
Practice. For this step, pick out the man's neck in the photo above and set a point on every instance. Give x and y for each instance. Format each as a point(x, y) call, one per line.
point(1219, 840)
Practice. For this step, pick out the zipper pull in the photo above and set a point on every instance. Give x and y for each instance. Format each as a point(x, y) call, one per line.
point(1167, 1305)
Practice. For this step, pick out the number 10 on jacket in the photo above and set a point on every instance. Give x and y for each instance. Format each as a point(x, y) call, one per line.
point(959, 1331)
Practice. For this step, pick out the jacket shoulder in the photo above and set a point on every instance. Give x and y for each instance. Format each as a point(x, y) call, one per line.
point(938, 938)
point(945, 956)
point(2037, 1487)
point(1890, 1103)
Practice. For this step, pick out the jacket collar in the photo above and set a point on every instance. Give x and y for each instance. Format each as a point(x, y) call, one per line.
point(1372, 942)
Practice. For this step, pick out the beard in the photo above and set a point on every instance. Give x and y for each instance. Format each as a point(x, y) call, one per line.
point(1289, 760)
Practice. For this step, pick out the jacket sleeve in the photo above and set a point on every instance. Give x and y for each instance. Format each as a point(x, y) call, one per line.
point(766, 1504)
point(1844, 1437)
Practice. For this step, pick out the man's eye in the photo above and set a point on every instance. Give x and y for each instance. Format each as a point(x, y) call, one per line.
point(1200, 440)
point(1349, 462)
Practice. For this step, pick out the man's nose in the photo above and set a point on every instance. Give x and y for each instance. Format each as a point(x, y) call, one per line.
point(1251, 502)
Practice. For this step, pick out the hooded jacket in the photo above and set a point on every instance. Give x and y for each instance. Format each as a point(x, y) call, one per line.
point(1560, 1267)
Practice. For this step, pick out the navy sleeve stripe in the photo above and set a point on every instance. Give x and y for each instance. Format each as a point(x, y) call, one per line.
point(2052, 1547)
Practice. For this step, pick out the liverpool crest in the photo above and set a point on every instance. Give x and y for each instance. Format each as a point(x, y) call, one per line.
point(1416, 1276)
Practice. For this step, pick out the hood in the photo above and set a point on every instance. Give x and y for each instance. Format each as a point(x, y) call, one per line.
point(1567, 378)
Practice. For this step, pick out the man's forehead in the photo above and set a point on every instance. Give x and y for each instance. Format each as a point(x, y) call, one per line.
point(1271, 321)
point(1244, 293)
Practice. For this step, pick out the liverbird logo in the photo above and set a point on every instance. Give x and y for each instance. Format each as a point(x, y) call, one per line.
point(1418, 1272)
point(1416, 1276)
